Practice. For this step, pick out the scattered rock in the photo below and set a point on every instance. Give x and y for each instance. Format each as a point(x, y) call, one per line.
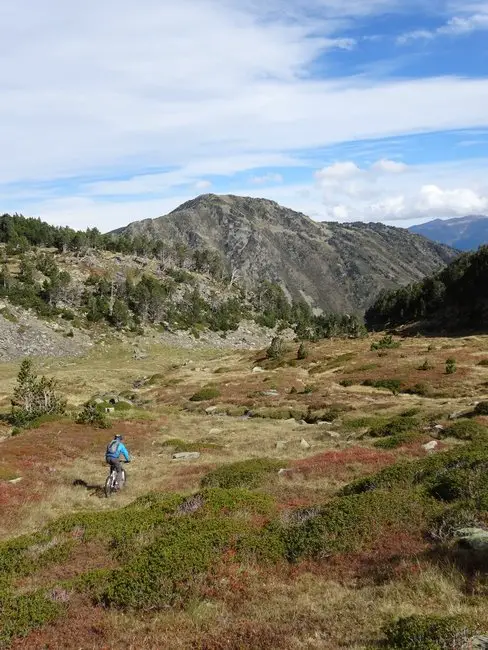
point(210, 409)
point(283, 471)
point(479, 642)
point(475, 539)
point(15, 480)
point(281, 445)
point(109, 409)
point(257, 369)
point(215, 432)
point(270, 393)
point(304, 444)
point(333, 434)
point(430, 446)
point(186, 455)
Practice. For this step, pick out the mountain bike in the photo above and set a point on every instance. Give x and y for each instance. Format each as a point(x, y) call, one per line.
point(112, 484)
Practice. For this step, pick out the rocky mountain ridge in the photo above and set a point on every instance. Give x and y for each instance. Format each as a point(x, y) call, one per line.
point(336, 267)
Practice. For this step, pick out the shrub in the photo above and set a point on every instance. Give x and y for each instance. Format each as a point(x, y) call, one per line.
point(385, 343)
point(277, 348)
point(349, 523)
point(302, 352)
point(481, 408)
point(483, 362)
point(428, 633)
point(394, 385)
point(34, 396)
point(93, 415)
point(450, 366)
point(244, 474)
point(205, 393)
point(394, 427)
point(398, 440)
point(425, 366)
point(19, 616)
point(424, 390)
point(122, 406)
point(346, 382)
point(466, 430)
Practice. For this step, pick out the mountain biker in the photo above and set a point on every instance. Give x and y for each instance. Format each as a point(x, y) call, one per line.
point(115, 449)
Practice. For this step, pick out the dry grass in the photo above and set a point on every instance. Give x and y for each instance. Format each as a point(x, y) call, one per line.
point(328, 605)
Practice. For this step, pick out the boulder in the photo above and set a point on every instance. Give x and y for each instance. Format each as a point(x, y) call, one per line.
point(304, 444)
point(210, 409)
point(257, 369)
point(215, 432)
point(186, 455)
point(479, 642)
point(270, 393)
point(430, 446)
point(284, 471)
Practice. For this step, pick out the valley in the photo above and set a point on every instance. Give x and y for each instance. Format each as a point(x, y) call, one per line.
point(268, 553)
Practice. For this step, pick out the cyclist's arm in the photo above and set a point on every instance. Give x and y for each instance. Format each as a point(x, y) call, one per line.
point(125, 453)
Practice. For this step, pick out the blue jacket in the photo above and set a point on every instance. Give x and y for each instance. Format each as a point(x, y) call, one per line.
point(115, 449)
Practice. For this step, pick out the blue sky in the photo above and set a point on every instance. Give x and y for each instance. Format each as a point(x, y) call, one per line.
point(373, 110)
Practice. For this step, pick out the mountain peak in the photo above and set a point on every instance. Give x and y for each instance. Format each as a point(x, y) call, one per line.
point(336, 267)
point(464, 233)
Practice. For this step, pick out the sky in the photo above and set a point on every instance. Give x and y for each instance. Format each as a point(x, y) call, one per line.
point(346, 110)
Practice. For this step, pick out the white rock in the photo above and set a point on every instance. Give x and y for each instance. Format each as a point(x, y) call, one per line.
point(430, 446)
point(109, 409)
point(186, 455)
point(15, 480)
point(215, 432)
point(210, 409)
point(258, 369)
point(304, 444)
point(283, 471)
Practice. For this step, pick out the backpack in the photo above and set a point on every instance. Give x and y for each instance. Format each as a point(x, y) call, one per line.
point(113, 449)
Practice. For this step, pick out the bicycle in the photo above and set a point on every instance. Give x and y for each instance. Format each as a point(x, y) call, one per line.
point(111, 484)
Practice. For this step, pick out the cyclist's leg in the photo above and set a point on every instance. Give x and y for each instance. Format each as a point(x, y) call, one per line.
point(117, 465)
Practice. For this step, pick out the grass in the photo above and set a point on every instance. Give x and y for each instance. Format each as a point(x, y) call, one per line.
point(354, 537)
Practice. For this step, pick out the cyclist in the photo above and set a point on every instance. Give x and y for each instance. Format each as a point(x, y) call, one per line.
point(115, 449)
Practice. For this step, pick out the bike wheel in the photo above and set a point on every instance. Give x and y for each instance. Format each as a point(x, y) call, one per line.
point(109, 486)
point(124, 478)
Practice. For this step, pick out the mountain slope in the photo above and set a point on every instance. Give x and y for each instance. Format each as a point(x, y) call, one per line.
point(455, 297)
point(464, 233)
point(338, 267)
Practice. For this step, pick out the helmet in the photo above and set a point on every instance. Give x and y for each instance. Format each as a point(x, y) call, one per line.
point(119, 436)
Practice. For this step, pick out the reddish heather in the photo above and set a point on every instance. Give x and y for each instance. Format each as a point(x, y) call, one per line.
point(340, 464)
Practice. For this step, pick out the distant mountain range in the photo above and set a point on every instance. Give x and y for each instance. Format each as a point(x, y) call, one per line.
point(463, 233)
point(337, 267)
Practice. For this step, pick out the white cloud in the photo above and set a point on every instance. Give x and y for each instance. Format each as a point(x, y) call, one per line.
point(470, 18)
point(202, 185)
point(391, 192)
point(267, 178)
point(337, 171)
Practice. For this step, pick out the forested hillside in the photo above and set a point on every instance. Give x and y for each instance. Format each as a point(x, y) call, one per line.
point(131, 282)
point(455, 297)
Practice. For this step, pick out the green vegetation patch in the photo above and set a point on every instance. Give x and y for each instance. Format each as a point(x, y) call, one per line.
point(399, 440)
point(205, 393)
point(466, 429)
point(349, 523)
point(428, 633)
point(20, 615)
point(393, 427)
point(250, 474)
point(179, 445)
point(394, 385)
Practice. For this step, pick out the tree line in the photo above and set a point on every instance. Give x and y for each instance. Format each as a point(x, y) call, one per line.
point(457, 296)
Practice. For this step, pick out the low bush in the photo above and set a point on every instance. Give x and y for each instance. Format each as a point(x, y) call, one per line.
point(93, 415)
point(421, 389)
point(349, 523)
point(22, 614)
point(465, 430)
point(244, 474)
point(395, 385)
point(385, 343)
point(399, 440)
point(428, 633)
point(425, 366)
point(481, 408)
point(346, 383)
point(395, 426)
point(205, 393)
point(450, 366)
